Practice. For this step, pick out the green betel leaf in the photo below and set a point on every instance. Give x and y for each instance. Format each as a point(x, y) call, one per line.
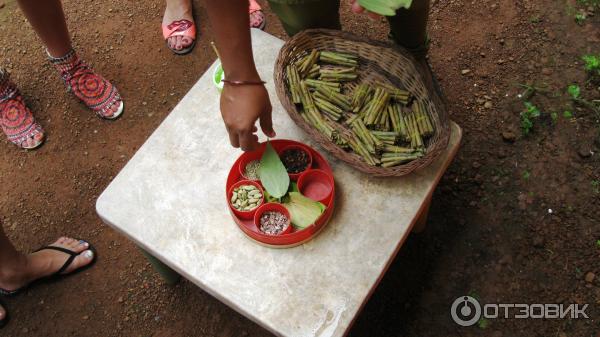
point(273, 174)
point(303, 211)
point(385, 7)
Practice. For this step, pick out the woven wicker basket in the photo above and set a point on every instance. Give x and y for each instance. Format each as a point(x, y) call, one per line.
point(378, 63)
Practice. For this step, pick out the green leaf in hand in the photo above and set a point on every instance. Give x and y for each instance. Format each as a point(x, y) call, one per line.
point(273, 174)
point(384, 7)
point(303, 211)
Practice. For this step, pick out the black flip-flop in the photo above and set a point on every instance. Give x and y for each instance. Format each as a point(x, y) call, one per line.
point(57, 274)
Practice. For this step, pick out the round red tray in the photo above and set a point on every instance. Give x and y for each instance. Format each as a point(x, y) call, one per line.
point(297, 236)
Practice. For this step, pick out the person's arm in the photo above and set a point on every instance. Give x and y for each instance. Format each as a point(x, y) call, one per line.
point(241, 105)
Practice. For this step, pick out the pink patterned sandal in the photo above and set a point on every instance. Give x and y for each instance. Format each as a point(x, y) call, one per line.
point(92, 89)
point(257, 17)
point(180, 28)
point(17, 121)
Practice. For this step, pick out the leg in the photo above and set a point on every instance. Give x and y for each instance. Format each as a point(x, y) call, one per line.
point(169, 275)
point(408, 27)
point(176, 11)
point(48, 20)
point(314, 14)
point(18, 270)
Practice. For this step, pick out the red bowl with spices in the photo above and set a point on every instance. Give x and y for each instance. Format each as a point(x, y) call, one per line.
point(247, 158)
point(296, 236)
point(268, 216)
point(297, 159)
point(249, 214)
point(316, 185)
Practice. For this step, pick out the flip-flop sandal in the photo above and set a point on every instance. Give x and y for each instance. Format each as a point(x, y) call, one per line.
point(56, 275)
point(6, 316)
point(256, 10)
point(180, 28)
point(96, 92)
point(16, 119)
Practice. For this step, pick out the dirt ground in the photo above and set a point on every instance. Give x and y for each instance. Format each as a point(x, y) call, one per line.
point(516, 218)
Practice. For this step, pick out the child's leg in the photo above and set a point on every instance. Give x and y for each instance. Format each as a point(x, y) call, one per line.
point(408, 27)
point(48, 20)
point(297, 16)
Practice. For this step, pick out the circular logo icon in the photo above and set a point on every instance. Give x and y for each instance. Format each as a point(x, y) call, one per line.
point(465, 311)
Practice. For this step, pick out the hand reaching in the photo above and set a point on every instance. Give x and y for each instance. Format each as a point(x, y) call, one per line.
point(241, 106)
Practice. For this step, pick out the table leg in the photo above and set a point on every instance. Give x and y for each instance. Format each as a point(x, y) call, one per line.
point(422, 220)
point(169, 275)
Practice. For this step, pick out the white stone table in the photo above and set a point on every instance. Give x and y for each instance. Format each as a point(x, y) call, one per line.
point(170, 200)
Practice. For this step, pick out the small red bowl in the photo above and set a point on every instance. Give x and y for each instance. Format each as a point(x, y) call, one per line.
point(273, 207)
point(295, 176)
point(246, 158)
point(245, 214)
point(316, 185)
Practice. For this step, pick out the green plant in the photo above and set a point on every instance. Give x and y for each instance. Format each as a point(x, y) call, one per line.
point(592, 66)
point(526, 174)
point(568, 114)
point(483, 323)
point(580, 18)
point(574, 91)
point(598, 243)
point(527, 116)
point(554, 116)
point(596, 186)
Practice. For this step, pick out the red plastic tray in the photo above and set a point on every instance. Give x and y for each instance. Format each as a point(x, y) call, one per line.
point(296, 237)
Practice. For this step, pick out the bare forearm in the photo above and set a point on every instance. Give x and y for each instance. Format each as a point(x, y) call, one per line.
point(230, 22)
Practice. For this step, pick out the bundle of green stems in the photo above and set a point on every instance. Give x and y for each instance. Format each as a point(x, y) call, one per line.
point(384, 125)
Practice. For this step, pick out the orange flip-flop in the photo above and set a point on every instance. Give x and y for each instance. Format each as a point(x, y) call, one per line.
point(180, 28)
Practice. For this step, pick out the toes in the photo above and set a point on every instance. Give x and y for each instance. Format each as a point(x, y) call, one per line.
point(186, 41)
point(178, 44)
point(81, 260)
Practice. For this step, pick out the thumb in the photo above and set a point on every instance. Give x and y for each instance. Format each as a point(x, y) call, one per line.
point(266, 123)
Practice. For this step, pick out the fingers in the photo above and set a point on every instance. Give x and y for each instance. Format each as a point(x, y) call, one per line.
point(233, 138)
point(248, 141)
point(266, 122)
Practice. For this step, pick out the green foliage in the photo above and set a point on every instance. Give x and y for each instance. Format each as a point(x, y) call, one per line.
point(574, 91)
point(526, 174)
point(554, 116)
point(592, 66)
point(598, 243)
point(483, 323)
point(384, 7)
point(580, 18)
point(596, 186)
point(527, 116)
point(273, 175)
point(568, 114)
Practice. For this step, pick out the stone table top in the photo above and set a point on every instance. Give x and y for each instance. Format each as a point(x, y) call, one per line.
point(169, 199)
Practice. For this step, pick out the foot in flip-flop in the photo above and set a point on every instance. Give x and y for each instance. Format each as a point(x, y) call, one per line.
point(91, 88)
point(178, 26)
point(16, 119)
point(257, 17)
point(63, 257)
